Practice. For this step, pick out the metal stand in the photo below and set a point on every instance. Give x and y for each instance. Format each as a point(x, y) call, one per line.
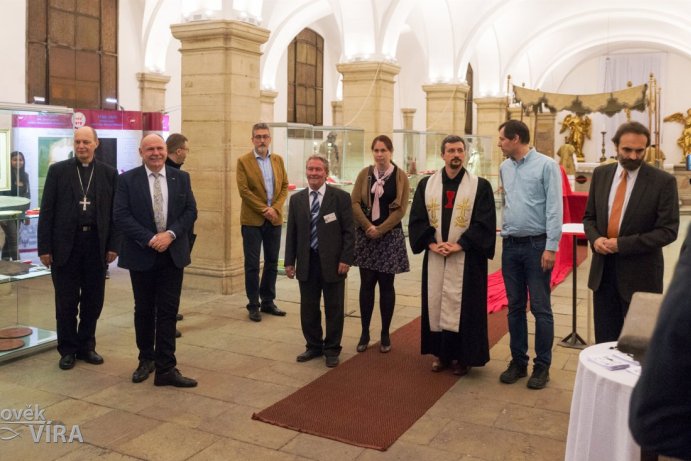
point(574, 340)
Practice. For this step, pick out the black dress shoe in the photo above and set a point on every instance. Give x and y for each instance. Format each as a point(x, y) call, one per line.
point(178, 317)
point(308, 355)
point(91, 357)
point(332, 361)
point(145, 368)
point(178, 334)
point(173, 378)
point(66, 362)
point(273, 310)
point(255, 316)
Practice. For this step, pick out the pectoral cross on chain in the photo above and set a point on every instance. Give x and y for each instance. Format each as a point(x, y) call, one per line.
point(84, 202)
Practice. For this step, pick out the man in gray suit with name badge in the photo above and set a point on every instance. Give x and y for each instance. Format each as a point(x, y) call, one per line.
point(320, 239)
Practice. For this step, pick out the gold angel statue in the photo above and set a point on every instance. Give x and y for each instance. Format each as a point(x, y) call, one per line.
point(684, 140)
point(581, 128)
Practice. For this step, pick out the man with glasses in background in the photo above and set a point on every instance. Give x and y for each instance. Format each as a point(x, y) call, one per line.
point(263, 185)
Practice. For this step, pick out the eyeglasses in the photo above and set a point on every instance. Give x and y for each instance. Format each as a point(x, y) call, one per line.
point(261, 136)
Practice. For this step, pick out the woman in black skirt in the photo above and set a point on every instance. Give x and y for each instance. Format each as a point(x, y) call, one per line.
point(380, 199)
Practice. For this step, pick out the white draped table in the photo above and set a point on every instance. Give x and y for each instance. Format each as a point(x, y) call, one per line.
point(598, 424)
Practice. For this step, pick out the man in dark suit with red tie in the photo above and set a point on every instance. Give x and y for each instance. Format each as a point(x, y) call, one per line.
point(155, 210)
point(319, 252)
point(76, 239)
point(632, 212)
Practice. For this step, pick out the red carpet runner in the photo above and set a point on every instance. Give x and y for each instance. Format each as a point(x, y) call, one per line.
point(371, 399)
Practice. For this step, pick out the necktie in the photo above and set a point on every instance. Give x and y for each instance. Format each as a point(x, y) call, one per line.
point(314, 211)
point(617, 207)
point(159, 215)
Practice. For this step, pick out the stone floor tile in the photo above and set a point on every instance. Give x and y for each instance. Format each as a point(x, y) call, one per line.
point(236, 423)
point(87, 452)
point(535, 421)
point(228, 449)
point(167, 442)
point(310, 446)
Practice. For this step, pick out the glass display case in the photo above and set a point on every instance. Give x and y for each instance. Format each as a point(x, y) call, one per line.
point(292, 141)
point(345, 148)
point(32, 137)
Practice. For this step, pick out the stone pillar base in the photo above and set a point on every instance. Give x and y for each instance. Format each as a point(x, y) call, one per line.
point(228, 281)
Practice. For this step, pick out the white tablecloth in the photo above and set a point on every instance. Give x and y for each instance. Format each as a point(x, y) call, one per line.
point(598, 424)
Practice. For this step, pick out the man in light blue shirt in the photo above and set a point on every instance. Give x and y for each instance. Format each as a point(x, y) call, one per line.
point(531, 230)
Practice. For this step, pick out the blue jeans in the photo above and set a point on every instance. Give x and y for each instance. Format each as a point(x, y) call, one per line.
point(523, 274)
point(253, 238)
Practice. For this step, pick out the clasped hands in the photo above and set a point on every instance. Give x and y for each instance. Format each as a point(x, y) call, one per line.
point(270, 214)
point(372, 232)
point(445, 248)
point(161, 241)
point(606, 246)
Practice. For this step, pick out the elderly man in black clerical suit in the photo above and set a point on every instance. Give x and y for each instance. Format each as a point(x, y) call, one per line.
point(632, 212)
point(155, 210)
point(76, 239)
point(320, 238)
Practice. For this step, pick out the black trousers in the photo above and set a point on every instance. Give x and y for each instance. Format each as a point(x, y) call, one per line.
point(79, 290)
point(254, 238)
point(156, 302)
point(310, 312)
point(609, 308)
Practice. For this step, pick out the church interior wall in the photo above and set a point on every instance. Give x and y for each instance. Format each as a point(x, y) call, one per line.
point(130, 54)
point(174, 89)
point(408, 92)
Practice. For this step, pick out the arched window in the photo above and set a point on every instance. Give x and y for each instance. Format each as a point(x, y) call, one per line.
point(305, 78)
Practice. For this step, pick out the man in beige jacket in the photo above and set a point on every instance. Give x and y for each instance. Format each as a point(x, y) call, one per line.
point(263, 185)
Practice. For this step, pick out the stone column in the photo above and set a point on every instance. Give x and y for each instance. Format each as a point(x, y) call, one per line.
point(267, 98)
point(408, 116)
point(152, 91)
point(337, 113)
point(491, 112)
point(220, 102)
point(446, 107)
point(368, 96)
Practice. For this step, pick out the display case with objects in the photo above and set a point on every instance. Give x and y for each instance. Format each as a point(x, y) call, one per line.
point(32, 137)
point(293, 142)
point(346, 151)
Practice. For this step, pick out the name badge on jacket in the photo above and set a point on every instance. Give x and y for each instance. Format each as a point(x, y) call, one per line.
point(329, 218)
